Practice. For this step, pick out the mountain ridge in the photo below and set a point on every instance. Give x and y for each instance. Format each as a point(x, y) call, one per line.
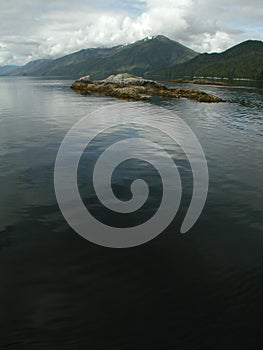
point(135, 58)
point(242, 61)
point(156, 56)
point(5, 70)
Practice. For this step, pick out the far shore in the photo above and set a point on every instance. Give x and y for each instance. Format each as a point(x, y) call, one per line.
point(199, 82)
point(213, 81)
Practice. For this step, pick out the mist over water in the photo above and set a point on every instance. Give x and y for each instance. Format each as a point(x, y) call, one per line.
point(202, 290)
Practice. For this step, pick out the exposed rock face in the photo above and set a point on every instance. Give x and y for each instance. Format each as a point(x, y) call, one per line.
point(85, 80)
point(129, 87)
point(126, 79)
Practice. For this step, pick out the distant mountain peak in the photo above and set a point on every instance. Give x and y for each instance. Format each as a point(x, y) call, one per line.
point(156, 37)
point(137, 58)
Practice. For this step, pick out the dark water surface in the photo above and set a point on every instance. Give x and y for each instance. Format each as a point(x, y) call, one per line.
point(202, 290)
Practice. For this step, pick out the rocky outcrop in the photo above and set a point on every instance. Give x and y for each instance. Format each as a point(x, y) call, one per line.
point(129, 87)
point(85, 80)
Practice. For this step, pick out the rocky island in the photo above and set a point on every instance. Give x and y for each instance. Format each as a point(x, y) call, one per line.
point(129, 87)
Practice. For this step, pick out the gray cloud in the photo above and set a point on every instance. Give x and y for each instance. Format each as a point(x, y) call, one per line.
point(44, 28)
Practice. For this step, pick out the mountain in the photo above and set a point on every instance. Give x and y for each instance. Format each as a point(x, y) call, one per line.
point(5, 70)
point(244, 60)
point(137, 58)
point(32, 67)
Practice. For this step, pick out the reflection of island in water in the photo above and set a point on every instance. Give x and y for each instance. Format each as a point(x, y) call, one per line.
point(129, 87)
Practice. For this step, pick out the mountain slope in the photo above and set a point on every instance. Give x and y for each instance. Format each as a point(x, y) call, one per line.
point(244, 60)
point(37, 66)
point(5, 70)
point(137, 58)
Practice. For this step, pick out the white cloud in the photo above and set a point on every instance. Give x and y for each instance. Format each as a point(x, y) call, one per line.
point(41, 28)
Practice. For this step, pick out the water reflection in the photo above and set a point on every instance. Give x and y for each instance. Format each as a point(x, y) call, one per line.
point(59, 291)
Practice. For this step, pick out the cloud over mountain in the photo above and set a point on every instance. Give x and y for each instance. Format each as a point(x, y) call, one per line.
point(45, 28)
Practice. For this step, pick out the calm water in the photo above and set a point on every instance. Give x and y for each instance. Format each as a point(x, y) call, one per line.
point(202, 290)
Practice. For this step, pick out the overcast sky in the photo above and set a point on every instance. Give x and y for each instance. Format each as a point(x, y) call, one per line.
point(32, 29)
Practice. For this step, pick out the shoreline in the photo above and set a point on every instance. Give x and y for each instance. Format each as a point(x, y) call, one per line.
point(199, 82)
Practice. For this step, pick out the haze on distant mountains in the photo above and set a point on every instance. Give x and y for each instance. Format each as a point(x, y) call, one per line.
point(158, 57)
point(40, 29)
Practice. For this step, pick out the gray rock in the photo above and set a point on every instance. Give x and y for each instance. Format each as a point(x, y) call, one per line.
point(85, 80)
point(124, 79)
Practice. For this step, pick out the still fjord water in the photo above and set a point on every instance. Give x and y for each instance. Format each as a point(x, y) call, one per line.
point(202, 290)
